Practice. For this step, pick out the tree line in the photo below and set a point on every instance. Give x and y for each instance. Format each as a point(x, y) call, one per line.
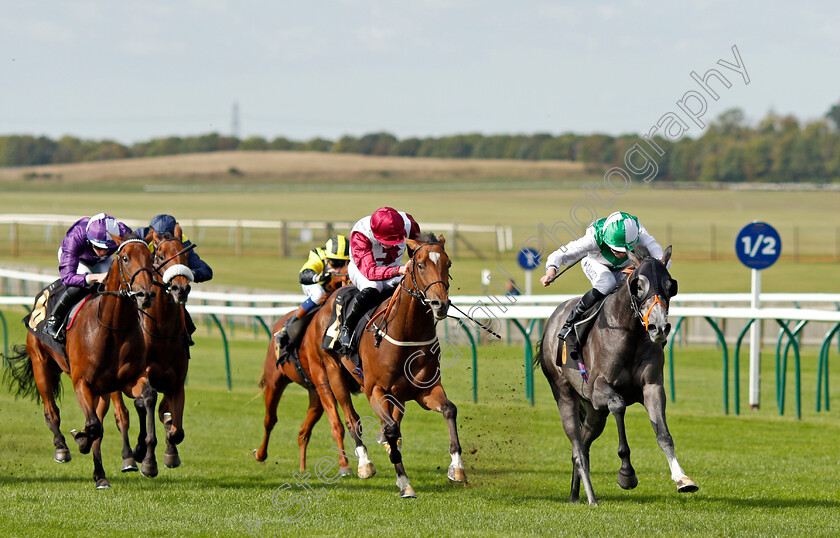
point(777, 149)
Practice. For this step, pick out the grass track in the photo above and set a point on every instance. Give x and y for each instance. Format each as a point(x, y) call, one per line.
point(759, 474)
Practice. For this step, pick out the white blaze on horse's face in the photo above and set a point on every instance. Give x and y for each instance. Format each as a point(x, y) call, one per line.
point(654, 312)
point(433, 277)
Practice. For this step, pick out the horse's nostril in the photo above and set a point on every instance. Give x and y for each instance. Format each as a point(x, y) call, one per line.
point(667, 329)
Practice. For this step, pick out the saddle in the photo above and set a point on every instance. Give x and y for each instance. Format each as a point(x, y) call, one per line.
point(289, 352)
point(570, 353)
point(43, 308)
point(343, 299)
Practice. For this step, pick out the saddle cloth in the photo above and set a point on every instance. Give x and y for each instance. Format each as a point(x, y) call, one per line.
point(36, 320)
point(577, 337)
point(342, 304)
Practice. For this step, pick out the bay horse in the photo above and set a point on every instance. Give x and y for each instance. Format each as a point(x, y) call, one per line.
point(624, 358)
point(167, 351)
point(105, 353)
point(400, 359)
point(276, 378)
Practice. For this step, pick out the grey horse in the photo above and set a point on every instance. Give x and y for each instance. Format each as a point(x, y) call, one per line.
point(624, 359)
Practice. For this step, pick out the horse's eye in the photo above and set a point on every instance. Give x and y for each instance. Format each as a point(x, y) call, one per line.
point(125, 258)
point(420, 266)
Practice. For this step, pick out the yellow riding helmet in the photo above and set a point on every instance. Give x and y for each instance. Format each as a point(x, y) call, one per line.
point(337, 248)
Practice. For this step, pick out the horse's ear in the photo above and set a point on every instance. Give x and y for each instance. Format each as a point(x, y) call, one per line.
point(637, 261)
point(178, 232)
point(441, 240)
point(119, 240)
point(155, 237)
point(666, 257)
point(149, 236)
point(412, 245)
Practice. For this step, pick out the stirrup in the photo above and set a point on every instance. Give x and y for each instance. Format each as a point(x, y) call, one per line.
point(564, 332)
point(345, 338)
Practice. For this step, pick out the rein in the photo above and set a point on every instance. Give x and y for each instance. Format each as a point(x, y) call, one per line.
point(416, 293)
point(124, 290)
point(169, 259)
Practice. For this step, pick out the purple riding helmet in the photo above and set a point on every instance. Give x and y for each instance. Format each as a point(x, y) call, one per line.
point(98, 228)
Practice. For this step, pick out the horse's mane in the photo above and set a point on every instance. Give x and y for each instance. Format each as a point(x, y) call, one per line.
point(428, 237)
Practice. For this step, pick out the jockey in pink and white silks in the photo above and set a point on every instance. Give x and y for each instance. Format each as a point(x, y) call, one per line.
point(377, 245)
point(603, 251)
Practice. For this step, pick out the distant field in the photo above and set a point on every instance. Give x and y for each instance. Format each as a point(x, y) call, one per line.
point(260, 167)
point(532, 197)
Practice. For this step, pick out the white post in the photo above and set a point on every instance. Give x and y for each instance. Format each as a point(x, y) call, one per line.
point(528, 281)
point(755, 341)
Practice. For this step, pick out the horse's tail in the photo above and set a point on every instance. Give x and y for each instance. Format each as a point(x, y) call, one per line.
point(261, 385)
point(19, 376)
point(538, 351)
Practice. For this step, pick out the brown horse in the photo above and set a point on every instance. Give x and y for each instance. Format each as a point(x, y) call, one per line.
point(105, 353)
point(400, 357)
point(276, 378)
point(167, 352)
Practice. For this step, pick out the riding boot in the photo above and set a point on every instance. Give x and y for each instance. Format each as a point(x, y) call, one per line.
point(589, 299)
point(366, 299)
point(282, 336)
point(70, 296)
point(190, 326)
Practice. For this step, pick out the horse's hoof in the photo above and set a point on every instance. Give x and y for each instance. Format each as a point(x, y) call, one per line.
point(408, 493)
point(129, 466)
point(686, 485)
point(149, 470)
point(103, 483)
point(456, 475)
point(83, 440)
point(171, 460)
point(345, 471)
point(62, 455)
point(259, 456)
point(627, 482)
point(367, 470)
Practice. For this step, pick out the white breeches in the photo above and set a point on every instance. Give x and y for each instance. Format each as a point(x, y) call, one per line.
point(603, 278)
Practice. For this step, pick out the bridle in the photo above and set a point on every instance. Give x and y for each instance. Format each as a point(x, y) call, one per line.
point(127, 281)
point(636, 304)
point(417, 293)
point(178, 269)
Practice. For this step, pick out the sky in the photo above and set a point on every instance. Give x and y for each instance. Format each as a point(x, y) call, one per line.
point(135, 70)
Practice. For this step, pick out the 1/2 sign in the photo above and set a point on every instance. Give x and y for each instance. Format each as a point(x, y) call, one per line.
point(758, 245)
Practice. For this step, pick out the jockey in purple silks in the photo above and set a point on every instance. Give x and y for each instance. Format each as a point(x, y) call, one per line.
point(84, 258)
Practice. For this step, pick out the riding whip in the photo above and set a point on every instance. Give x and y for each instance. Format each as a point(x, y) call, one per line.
point(555, 277)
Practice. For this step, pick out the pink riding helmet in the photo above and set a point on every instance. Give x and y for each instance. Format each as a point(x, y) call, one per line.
point(388, 226)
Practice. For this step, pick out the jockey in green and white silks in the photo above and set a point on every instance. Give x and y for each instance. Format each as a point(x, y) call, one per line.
point(603, 251)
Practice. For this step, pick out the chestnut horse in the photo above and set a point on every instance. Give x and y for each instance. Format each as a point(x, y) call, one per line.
point(400, 358)
point(624, 358)
point(167, 352)
point(276, 378)
point(105, 353)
